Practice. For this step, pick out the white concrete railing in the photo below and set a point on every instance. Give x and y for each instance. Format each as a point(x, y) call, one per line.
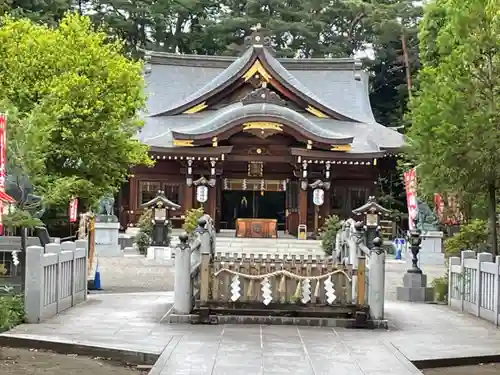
point(56, 279)
point(474, 285)
point(350, 247)
point(188, 257)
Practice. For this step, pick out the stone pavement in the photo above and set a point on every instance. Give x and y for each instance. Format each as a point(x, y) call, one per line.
point(132, 322)
point(135, 274)
point(119, 321)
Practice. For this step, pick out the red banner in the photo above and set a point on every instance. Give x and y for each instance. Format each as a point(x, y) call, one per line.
point(410, 179)
point(73, 210)
point(3, 162)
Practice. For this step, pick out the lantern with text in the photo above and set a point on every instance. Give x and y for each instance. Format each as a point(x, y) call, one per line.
point(319, 188)
point(202, 185)
point(201, 193)
point(318, 197)
point(161, 207)
point(372, 212)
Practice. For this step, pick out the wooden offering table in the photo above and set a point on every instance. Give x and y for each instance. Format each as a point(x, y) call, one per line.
point(256, 228)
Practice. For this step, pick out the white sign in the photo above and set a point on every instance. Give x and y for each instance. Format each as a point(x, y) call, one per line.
point(201, 194)
point(318, 197)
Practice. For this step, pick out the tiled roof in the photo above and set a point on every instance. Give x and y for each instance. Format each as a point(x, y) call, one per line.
point(368, 137)
point(337, 84)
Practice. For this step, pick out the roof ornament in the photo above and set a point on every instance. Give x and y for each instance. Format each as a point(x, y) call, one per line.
point(358, 66)
point(257, 38)
point(147, 62)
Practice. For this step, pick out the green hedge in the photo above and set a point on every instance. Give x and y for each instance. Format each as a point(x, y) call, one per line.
point(11, 311)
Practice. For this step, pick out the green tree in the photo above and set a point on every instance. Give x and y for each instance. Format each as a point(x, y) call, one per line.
point(46, 11)
point(454, 135)
point(82, 97)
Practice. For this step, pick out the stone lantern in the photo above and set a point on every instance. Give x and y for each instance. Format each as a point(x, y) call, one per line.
point(160, 207)
point(372, 212)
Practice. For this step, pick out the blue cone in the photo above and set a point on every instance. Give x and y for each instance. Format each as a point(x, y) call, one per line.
point(398, 254)
point(97, 277)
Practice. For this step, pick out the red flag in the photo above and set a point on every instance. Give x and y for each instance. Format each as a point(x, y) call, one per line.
point(73, 210)
point(410, 178)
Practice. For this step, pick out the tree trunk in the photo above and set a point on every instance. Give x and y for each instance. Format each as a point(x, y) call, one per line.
point(492, 217)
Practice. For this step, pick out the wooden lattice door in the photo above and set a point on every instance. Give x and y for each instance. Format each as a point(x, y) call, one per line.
point(291, 207)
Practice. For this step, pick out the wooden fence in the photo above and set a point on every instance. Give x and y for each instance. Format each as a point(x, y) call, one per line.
point(210, 284)
point(273, 285)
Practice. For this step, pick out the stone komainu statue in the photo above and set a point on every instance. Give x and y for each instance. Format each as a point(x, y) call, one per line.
point(426, 219)
point(106, 205)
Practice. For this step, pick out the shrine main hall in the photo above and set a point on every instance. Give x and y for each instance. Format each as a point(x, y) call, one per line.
point(262, 143)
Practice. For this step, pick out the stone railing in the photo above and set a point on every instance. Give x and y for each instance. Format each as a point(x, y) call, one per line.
point(56, 279)
point(474, 285)
point(351, 249)
point(188, 258)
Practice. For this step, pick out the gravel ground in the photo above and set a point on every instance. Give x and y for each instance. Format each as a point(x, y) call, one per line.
point(135, 274)
point(29, 362)
point(487, 369)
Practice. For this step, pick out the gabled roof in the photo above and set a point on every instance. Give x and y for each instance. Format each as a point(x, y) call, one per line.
point(337, 88)
point(237, 70)
point(178, 82)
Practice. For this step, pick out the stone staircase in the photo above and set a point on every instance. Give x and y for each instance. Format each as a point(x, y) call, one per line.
point(263, 246)
point(282, 247)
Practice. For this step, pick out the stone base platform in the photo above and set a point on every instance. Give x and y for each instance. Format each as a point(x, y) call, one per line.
point(414, 289)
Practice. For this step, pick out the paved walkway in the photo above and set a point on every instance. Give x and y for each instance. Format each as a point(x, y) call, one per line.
point(133, 322)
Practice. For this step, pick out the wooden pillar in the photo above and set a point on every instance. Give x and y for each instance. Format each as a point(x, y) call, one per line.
point(187, 203)
point(302, 206)
point(133, 198)
point(325, 208)
point(212, 202)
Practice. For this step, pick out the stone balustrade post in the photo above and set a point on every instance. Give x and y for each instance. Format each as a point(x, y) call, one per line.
point(376, 280)
point(34, 292)
point(183, 291)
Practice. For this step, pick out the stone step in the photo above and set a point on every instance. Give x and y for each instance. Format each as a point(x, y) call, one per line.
point(267, 246)
point(268, 241)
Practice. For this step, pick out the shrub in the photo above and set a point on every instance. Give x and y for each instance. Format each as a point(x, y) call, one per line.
point(472, 236)
point(440, 285)
point(11, 311)
point(328, 233)
point(143, 238)
point(191, 220)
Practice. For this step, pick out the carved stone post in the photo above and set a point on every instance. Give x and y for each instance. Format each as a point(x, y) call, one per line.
point(376, 280)
point(183, 291)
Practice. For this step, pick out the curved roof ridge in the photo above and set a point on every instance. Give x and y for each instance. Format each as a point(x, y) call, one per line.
point(335, 63)
point(222, 80)
point(280, 70)
point(239, 112)
point(234, 71)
